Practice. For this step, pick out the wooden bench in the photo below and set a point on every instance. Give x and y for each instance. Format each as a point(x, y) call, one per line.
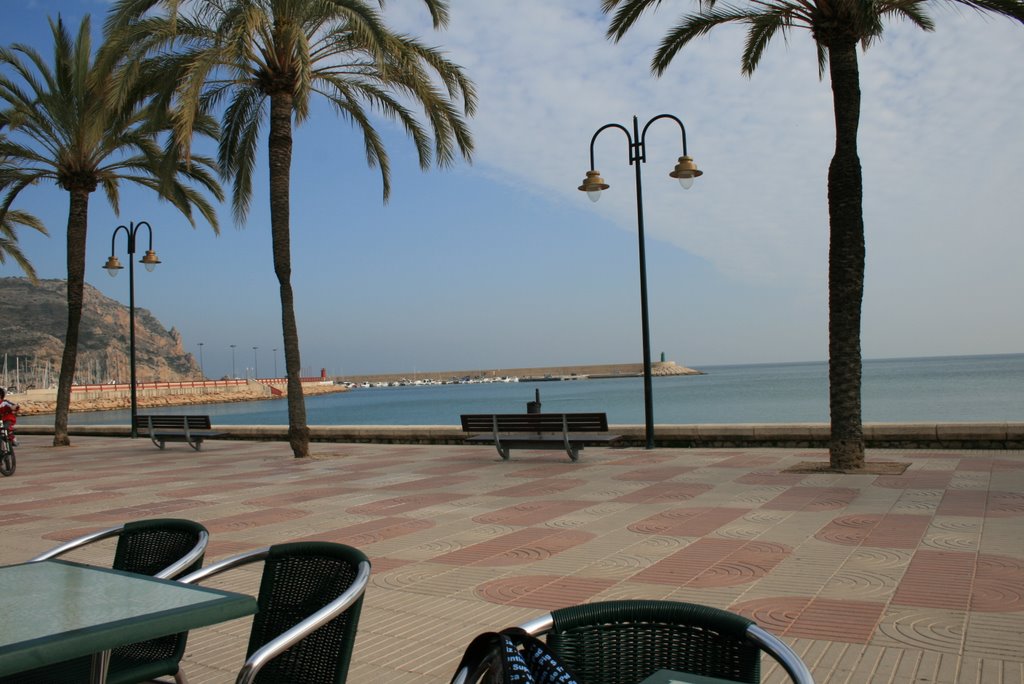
point(190, 429)
point(570, 431)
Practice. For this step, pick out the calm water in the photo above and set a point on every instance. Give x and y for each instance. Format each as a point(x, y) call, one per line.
point(946, 389)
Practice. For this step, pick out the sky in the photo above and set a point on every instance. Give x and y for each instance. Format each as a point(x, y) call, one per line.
point(503, 263)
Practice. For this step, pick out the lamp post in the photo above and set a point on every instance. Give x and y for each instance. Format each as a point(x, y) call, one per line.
point(113, 266)
point(275, 363)
point(685, 171)
point(255, 365)
point(232, 362)
point(201, 371)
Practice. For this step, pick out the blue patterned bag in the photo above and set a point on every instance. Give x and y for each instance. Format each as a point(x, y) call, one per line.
point(510, 657)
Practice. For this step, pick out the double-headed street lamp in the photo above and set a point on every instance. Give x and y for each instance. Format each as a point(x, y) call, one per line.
point(113, 266)
point(255, 365)
point(685, 171)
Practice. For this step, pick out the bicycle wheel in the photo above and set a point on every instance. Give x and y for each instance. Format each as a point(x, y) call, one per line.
point(7, 463)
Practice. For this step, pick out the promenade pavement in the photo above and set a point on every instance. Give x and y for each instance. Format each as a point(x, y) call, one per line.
point(917, 577)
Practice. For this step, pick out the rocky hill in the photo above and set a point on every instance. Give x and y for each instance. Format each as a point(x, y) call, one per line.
point(35, 320)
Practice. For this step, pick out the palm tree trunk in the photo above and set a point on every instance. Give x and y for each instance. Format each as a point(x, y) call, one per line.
point(845, 263)
point(280, 148)
point(78, 224)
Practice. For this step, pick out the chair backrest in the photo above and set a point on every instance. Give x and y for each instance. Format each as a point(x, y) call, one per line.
point(623, 642)
point(298, 580)
point(157, 547)
point(310, 598)
point(167, 548)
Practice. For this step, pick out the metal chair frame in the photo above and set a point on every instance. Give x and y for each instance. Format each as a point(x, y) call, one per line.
point(275, 647)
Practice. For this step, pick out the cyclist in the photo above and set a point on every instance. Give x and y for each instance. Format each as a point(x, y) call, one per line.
point(9, 415)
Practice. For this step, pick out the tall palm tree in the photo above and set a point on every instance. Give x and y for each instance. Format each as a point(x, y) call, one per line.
point(83, 125)
point(837, 27)
point(268, 58)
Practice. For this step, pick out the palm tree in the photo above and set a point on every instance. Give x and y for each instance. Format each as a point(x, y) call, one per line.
point(837, 26)
point(268, 58)
point(84, 125)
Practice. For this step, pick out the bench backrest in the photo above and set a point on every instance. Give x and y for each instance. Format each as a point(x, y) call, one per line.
point(173, 422)
point(536, 422)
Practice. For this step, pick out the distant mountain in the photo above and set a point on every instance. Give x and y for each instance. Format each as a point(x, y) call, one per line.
point(35, 320)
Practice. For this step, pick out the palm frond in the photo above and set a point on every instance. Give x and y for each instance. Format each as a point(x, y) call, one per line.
point(9, 247)
point(764, 25)
point(912, 11)
point(350, 107)
point(627, 14)
point(242, 123)
point(1012, 9)
point(438, 12)
point(822, 54)
point(692, 26)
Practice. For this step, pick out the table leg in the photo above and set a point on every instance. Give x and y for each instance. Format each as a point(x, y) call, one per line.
point(98, 670)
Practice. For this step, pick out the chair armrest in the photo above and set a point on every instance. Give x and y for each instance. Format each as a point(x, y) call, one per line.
point(538, 625)
point(78, 542)
point(782, 653)
point(176, 568)
point(225, 564)
point(284, 641)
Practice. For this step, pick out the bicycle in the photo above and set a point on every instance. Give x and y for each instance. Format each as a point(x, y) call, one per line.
point(7, 461)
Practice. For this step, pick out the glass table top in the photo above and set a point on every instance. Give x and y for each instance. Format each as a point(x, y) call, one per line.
point(57, 610)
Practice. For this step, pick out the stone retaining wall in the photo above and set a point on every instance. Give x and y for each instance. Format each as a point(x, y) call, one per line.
point(809, 435)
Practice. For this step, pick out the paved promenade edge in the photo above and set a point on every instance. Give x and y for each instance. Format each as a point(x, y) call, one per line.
point(967, 435)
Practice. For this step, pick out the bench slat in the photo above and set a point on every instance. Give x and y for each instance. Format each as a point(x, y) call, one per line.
point(171, 421)
point(535, 422)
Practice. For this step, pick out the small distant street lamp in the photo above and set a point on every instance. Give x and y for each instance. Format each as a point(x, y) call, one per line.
point(255, 365)
point(233, 362)
point(275, 363)
point(113, 266)
point(201, 371)
point(685, 171)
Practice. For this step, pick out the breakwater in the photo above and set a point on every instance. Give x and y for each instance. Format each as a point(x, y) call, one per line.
point(529, 374)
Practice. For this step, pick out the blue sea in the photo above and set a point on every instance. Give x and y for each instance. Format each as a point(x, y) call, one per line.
point(935, 389)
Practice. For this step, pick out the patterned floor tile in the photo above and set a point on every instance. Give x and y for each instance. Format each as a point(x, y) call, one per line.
point(895, 579)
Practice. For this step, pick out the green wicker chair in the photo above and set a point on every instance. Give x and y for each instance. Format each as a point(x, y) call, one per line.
point(624, 642)
point(310, 597)
point(166, 548)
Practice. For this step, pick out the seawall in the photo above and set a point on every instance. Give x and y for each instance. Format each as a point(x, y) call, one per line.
point(804, 435)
